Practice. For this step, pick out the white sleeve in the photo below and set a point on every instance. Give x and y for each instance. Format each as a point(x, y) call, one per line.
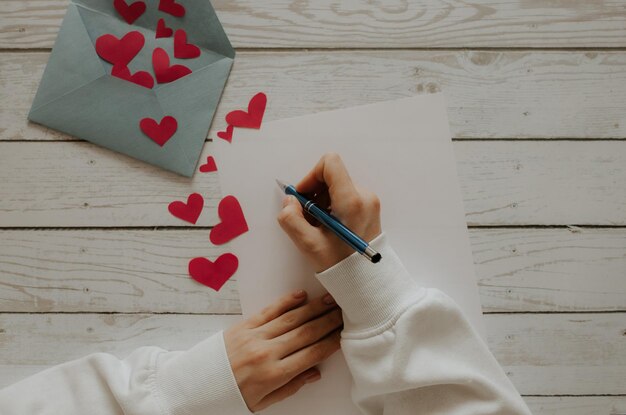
point(411, 349)
point(151, 381)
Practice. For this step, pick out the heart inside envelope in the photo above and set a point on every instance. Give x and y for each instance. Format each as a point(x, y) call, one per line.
point(80, 95)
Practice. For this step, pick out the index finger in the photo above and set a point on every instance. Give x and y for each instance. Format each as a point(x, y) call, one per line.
point(331, 173)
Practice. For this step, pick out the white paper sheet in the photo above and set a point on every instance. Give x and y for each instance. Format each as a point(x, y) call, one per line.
point(402, 150)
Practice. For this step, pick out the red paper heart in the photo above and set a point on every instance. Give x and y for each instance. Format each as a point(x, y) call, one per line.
point(161, 132)
point(254, 117)
point(141, 78)
point(130, 13)
point(190, 211)
point(163, 71)
point(210, 165)
point(182, 49)
point(233, 221)
point(162, 30)
point(171, 7)
point(213, 274)
point(120, 51)
point(228, 134)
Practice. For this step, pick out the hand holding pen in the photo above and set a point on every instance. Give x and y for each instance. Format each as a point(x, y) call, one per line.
point(329, 185)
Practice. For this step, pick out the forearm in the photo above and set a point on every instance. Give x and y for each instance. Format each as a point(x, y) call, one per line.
point(149, 381)
point(410, 349)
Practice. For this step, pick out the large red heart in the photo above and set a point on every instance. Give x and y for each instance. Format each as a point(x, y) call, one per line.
point(163, 71)
point(162, 30)
point(210, 165)
point(161, 132)
point(227, 135)
point(182, 49)
point(120, 51)
point(213, 274)
point(141, 78)
point(130, 13)
point(233, 221)
point(190, 211)
point(254, 117)
point(171, 7)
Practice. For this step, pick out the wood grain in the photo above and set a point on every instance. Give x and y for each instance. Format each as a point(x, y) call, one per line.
point(561, 354)
point(558, 354)
point(68, 184)
point(490, 94)
point(132, 271)
point(550, 269)
point(367, 24)
point(109, 271)
point(576, 405)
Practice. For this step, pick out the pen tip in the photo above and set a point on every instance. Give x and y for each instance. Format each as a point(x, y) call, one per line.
point(282, 185)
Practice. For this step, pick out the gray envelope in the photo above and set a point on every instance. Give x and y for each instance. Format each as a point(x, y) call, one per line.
point(78, 96)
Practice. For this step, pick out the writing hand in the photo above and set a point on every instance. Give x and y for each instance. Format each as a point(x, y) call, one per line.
point(329, 185)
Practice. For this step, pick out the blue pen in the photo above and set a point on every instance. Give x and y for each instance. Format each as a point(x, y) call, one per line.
point(333, 224)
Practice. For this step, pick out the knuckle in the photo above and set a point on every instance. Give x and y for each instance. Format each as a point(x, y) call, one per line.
point(285, 215)
point(318, 352)
point(276, 373)
point(355, 204)
point(308, 244)
point(307, 331)
point(332, 156)
point(259, 355)
point(374, 202)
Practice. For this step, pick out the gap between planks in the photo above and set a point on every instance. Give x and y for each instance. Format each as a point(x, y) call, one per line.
point(395, 49)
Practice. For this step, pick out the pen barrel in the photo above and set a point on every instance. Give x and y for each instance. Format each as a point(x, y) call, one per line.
point(329, 221)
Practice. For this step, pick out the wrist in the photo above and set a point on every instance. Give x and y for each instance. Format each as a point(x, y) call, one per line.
point(371, 295)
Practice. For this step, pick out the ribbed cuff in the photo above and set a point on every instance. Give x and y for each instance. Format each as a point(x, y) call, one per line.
point(371, 295)
point(199, 381)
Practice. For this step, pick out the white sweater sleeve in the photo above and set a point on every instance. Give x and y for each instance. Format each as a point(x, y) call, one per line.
point(410, 349)
point(151, 381)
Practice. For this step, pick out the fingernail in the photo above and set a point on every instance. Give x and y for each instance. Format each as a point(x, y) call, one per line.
point(299, 294)
point(328, 299)
point(313, 377)
point(285, 201)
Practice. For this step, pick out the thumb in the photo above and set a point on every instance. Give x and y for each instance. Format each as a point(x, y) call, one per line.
point(302, 233)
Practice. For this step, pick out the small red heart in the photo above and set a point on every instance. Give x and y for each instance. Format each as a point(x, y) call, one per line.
point(254, 117)
point(141, 78)
point(228, 134)
point(213, 274)
point(163, 71)
point(182, 49)
point(162, 30)
point(210, 165)
point(120, 51)
point(233, 221)
point(190, 211)
point(161, 132)
point(130, 13)
point(171, 7)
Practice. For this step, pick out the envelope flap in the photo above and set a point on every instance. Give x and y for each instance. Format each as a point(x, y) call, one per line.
point(200, 22)
point(76, 67)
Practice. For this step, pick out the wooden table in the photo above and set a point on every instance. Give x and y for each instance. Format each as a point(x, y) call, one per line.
point(90, 260)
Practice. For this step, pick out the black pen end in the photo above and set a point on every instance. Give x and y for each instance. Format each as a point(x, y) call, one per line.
point(376, 258)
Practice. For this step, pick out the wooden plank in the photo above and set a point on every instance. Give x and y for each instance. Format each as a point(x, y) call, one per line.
point(108, 271)
point(68, 184)
point(550, 269)
point(553, 354)
point(576, 405)
point(490, 94)
point(349, 24)
point(561, 354)
point(134, 271)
